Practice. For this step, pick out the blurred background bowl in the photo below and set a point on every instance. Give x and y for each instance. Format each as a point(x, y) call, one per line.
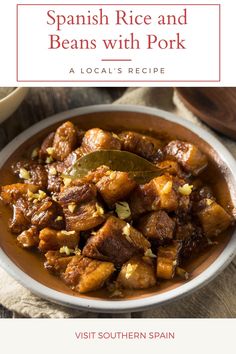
point(11, 102)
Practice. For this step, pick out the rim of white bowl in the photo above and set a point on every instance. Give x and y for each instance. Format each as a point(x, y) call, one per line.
point(13, 93)
point(119, 306)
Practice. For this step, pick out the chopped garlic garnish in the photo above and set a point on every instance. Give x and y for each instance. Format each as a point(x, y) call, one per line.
point(126, 230)
point(67, 181)
point(167, 187)
point(52, 171)
point(209, 201)
point(149, 253)
point(72, 207)
point(116, 293)
point(59, 218)
point(41, 195)
point(100, 210)
point(24, 173)
point(49, 159)
point(35, 153)
point(186, 189)
point(67, 233)
point(130, 269)
point(36, 196)
point(115, 136)
point(73, 172)
point(112, 175)
point(68, 251)
point(123, 210)
point(77, 251)
point(50, 150)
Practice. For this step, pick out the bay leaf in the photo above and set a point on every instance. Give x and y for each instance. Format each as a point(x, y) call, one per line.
point(139, 168)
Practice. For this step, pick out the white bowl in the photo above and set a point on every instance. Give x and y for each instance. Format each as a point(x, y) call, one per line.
point(11, 102)
point(137, 304)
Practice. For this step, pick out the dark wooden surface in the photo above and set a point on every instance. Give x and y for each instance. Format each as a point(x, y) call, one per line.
point(218, 299)
point(215, 107)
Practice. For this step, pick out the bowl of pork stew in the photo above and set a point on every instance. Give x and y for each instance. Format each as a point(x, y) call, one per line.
point(116, 208)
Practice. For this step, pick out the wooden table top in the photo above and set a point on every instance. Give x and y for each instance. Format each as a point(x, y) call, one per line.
point(218, 299)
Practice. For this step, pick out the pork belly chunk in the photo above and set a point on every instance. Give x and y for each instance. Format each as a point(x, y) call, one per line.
point(187, 155)
point(171, 167)
point(115, 186)
point(158, 194)
point(168, 258)
point(80, 193)
point(142, 145)
point(214, 219)
point(32, 173)
point(29, 238)
point(56, 261)
point(64, 141)
point(21, 216)
point(84, 274)
point(47, 143)
point(157, 225)
point(50, 239)
point(98, 139)
point(136, 274)
point(55, 181)
point(47, 212)
point(115, 241)
point(10, 193)
point(81, 209)
point(84, 216)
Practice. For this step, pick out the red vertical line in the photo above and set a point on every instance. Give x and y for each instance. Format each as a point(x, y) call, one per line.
point(17, 42)
point(219, 42)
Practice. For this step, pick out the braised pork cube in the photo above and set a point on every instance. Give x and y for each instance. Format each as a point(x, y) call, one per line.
point(167, 260)
point(214, 219)
point(157, 225)
point(66, 165)
point(84, 274)
point(115, 186)
point(136, 274)
point(11, 192)
point(46, 212)
point(187, 155)
point(20, 220)
point(95, 175)
point(64, 142)
point(170, 167)
point(55, 182)
point(78, 194)
point(47, 143)
point(142, 145)
point(155, 195)
point(50, 239)
point(98, 139)
point(29, 238)
point(191, 237)
point(56, 261)
point(84, 216)
point(32, 173)
point(116, 241)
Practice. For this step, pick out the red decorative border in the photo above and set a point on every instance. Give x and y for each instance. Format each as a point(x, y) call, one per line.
point(95, 81)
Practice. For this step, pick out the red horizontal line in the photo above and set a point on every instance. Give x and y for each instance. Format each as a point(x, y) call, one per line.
point(19, 80)
point(118, 4)
point(116, 59)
